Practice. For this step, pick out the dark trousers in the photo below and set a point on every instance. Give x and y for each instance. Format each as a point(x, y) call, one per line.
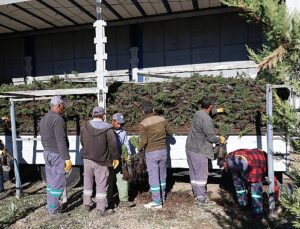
point(239, 169)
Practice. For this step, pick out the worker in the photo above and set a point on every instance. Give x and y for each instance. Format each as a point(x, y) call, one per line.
point(248, 168)
point(56, 153)
point(99, 152)
point(153, 134)
point(122, 140)
point(199, 149)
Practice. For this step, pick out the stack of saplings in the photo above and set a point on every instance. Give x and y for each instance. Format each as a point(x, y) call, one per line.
point(242, 98)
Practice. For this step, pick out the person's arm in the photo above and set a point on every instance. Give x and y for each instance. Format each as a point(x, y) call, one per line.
point(169, 129)
point(126, 143)
point(143, 138)
point(209, 131)
point(112, 145)
point(61, 138)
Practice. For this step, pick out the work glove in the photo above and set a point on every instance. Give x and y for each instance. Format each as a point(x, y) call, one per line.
point(126, 158)
point(115, 163)
point(68, 166)
point(222, 139)
point(220, 110)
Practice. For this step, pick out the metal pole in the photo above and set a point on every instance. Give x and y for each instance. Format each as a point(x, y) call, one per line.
point(270, 147)
point(15, 149)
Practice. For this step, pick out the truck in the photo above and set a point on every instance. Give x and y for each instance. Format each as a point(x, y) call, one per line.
point(28, 150)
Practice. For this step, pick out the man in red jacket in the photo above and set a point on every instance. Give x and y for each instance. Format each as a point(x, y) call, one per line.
point(249, 168)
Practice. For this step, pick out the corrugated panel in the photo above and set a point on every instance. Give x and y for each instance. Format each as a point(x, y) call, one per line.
point(67, 9)
point(175, 5)
point(25, 17)
point(203, 4)
point(186, 5)
point(3, 30)
point(147, 6)
point(13, 24)
point(120, 8)
point(158, 6)
point(131, 8)
point(46, 13)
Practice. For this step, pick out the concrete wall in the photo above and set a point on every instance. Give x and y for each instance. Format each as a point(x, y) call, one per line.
point(196, 40)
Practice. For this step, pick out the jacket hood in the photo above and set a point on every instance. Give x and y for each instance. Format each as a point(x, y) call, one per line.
point(99, 129)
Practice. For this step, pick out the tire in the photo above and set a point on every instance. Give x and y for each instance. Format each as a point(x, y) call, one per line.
point(73, 178)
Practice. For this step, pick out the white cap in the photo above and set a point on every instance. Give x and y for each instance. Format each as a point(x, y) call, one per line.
point(56, 100)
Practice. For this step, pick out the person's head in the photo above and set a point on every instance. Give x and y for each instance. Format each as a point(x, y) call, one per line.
point(118, 121)
point(57, 104)
point(148, 108)
point(207, 104)
point(98, 112)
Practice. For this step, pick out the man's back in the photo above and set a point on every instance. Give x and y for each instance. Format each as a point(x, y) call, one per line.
point(153, 130)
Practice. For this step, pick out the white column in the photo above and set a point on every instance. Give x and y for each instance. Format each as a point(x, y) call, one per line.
point(134, 62)
point(293, 5)
point(100, 58)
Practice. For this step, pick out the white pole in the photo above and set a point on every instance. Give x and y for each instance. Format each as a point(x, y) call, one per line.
point(100, 56)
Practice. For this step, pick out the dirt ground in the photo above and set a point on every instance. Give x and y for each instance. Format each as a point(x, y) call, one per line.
point(179, 211)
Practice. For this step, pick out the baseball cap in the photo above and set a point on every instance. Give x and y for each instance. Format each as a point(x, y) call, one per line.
point(119, 118)
point(98, 111)
point(56, 100)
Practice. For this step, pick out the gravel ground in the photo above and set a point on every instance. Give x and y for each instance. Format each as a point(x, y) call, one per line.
point(178, 212)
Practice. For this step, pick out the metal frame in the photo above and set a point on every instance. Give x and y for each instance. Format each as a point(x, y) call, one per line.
point(33, 95)
point(167, 6)
point(139, 7)
point(270, 149)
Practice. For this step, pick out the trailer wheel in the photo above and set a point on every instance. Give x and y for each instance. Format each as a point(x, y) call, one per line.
point(73, 178)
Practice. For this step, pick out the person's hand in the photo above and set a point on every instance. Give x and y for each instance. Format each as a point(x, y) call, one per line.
point(68, 166)
point(222, 139)
point(126, 158)
point(115, 163)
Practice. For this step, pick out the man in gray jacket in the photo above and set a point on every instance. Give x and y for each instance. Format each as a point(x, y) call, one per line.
point(199, 149)
point(56, 153)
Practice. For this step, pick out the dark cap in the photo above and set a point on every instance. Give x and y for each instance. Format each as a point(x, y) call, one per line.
point(119, 118)
point(98, 111)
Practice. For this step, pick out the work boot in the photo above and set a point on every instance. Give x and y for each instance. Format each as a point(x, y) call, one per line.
point(87, 208)
point(105, 212)
point(126, 204)
point(205, 203)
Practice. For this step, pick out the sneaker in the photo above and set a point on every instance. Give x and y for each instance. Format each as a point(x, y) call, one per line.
point(205, 203)
point(87, 208)
point(106, 212)
point(56, 216)
point(153, 205)
point(126, 204)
